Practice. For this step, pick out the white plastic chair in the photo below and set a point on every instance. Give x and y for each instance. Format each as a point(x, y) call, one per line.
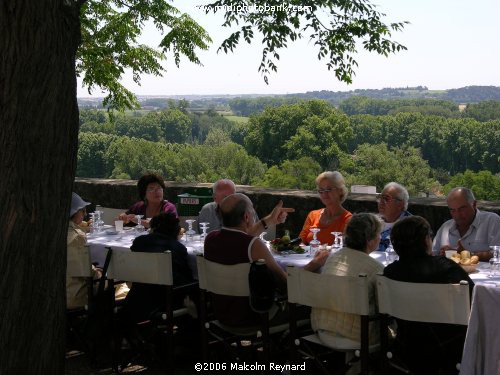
point(230, 280)
point(150, 268)
point(421, 302)
point(347, 294)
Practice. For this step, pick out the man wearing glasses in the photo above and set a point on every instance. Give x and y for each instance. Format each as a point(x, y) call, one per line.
point(469, 228)
point(392, 206)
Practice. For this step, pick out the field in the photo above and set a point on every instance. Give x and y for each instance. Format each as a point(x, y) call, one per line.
point(239, 119)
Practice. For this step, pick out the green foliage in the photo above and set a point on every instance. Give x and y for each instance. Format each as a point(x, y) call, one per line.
point(91, 160)
point(251, 106)
point(202, 123)
point(132, 157)
point(484, 184)
point(377, 165)
point(293, 174)
point(450, 144)
point(175, 124)
point(310, 128)
point(483, 111)
point(357, 105)
point(337, 28)
point(322, 138)
point(146, 127)
point(106, 156)
point(110, 33)
point(97, 115)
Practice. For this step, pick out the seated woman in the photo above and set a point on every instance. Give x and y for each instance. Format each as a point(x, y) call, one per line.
point(144, 300)
point(434, 343)
point(333, 218)
point(150, 187)
point(362, 236)
point(76, 287)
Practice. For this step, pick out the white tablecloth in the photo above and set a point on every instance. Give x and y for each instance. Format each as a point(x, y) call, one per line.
point(481, 354)
point(98, 244)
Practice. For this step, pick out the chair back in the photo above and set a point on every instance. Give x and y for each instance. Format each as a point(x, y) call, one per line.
point(229, 280)
point(347, 294)
point(78, 262)
point(423, 302)
point(148, 268)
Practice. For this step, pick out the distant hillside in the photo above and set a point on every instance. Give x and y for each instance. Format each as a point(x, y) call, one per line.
point(469, 94)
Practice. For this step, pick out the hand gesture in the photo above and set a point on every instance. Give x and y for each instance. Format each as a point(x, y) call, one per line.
point(278, 214)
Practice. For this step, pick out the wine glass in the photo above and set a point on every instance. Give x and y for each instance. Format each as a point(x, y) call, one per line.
point(337, 243)
point(190, 232)
point(314, 244)
point(139, 228)
point(494, 261)
point(204, 227)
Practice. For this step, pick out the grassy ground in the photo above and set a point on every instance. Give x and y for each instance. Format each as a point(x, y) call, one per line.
point(239, 119)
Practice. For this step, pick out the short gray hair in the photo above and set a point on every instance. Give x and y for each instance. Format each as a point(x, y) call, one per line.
point(361, 228)
point(402, 193)
point(466, 192)
point(223, 181)
point(337, 180)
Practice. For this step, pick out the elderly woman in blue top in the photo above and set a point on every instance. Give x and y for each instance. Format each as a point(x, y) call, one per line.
point(392, 206)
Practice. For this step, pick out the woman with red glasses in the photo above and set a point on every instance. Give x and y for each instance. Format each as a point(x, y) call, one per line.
point(333, 218)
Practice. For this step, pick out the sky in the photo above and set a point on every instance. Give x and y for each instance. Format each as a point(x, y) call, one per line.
point(451, 44)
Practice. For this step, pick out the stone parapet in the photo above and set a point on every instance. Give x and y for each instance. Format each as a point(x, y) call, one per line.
point(123, 193)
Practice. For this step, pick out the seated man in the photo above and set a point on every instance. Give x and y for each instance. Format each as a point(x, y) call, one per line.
point(209, 212)
point(222, 188)
point(436, 344)
point(392, 206)
point(469, 229)
point(234, 244)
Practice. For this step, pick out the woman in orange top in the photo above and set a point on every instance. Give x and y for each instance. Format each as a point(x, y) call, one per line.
point(333, 218)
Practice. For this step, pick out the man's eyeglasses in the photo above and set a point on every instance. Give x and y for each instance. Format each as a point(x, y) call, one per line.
point(153, 190)
point(325, 191)
point(388, 198)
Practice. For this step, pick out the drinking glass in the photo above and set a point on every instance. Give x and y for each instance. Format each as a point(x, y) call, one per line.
point(139, 228)
point(494, 261)
point(98, 220)
point(93, 225)
point(204, 227)
point(314, 244)
point(390, 254)
point(338, 242)
point(119, 226)
point(190, 232)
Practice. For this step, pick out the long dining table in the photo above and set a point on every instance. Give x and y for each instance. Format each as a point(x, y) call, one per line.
point(481, 350)
point(123, 241)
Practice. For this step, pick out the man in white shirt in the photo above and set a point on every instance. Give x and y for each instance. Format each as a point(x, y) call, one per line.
point(469, 229)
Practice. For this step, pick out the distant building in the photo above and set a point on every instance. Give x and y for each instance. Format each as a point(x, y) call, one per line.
point(461, 107)
point(363, 189)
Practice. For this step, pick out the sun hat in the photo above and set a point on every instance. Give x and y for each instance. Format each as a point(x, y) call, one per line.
point(77, 203)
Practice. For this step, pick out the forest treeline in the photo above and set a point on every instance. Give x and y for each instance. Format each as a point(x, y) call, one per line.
point(286, 146)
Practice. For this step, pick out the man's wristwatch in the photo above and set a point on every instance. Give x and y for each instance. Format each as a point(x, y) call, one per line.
point(262, 221)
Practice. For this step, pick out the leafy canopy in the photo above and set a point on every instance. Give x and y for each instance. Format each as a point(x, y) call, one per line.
point(111, 30)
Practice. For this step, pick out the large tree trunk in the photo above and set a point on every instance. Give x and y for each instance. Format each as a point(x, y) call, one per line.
point(38, 144)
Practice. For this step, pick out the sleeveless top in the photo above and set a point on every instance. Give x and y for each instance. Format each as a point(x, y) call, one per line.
point(231, 246)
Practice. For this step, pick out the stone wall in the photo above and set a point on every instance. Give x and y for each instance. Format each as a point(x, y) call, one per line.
point(123, 193)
